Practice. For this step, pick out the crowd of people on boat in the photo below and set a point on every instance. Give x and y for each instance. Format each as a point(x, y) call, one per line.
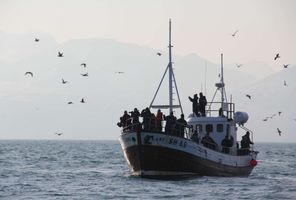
point(199, 104)
point(152, 122)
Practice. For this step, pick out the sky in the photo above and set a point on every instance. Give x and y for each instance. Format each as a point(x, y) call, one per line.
point(264, 28)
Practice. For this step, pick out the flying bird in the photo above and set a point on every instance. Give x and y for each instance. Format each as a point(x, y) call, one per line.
point(86, 74)
point(59, 134)
point(234, 34)
point(273, 115)
point(285, 83)
point(286, 66)
point(280, 113)
point(30, 73)
point(279, 131)
point(70, 102)
point(64, 82)
point(83, 64)
point(277, 56)
point(60, 54)
point(265, 119)
point(238, 65)
point(249, 96)
point(158, 53)
point(36, 40)
point(82, 100)
point(119, 72)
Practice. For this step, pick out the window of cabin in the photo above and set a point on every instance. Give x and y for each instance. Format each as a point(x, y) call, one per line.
point(209, 128)
point(219, 128)
point(199, 128)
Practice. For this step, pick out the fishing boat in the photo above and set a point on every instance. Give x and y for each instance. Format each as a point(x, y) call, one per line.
point(161, 153)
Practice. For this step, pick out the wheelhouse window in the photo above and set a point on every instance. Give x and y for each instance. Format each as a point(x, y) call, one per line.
point(199, 128)
point(219, 128)
point(209, 128)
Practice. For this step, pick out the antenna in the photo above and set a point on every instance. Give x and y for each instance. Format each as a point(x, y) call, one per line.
point(206, 68)
point(222, 82)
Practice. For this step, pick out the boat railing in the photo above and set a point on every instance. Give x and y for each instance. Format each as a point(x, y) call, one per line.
point(219, 109)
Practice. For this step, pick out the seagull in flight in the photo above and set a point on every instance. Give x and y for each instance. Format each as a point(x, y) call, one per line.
point(70, 102)
point(83, 64)
point(286, 66)
point(86, 74)
point(36, 39)
point(277, 56)
point(239, 65)
point(59, 134)
point(30, 73)
point(265, 119)
point(119, 72)
point(60, 54)
point(249, 96)
point(285, 83)
point(82, 100)
point(279, 131)
point(64, 82)
point(280, 112)
point(234, 34)
point(158, 53)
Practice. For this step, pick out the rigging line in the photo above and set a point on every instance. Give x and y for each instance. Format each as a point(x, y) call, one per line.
point(159, 85)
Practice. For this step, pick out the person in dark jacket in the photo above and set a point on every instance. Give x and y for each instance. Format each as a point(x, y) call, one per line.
point(227, 142)
point(180, 126)
point(159, 118)
point(125, 120)
point(195, 106)
point(146, 114)
point(245, 143)
point(207, 141)
point(135, 116)
point(202, 104)
point(170, 123)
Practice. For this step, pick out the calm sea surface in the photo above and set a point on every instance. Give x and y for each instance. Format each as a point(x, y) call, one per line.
point(97, 170)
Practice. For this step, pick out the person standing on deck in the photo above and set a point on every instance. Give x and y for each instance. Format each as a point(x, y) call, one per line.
point(202, 104)
point(195, 106)
point(159, 118)
point(180, 126)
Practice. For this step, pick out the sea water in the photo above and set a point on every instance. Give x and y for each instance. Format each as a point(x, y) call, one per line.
point(98, 170)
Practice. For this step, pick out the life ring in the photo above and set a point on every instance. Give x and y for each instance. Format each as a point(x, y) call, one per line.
point(253, 162)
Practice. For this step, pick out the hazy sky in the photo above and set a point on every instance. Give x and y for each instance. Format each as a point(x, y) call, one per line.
point(266, 27)
point(202, 27)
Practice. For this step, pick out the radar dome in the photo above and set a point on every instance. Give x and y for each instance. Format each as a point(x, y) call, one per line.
point(241, 117)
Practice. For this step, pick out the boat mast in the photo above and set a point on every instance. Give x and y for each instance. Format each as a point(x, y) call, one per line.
point(170, 72)
point(172, 82)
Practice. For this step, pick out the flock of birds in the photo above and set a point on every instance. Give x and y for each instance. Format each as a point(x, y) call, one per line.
point(60, 54)
point(285, 66)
